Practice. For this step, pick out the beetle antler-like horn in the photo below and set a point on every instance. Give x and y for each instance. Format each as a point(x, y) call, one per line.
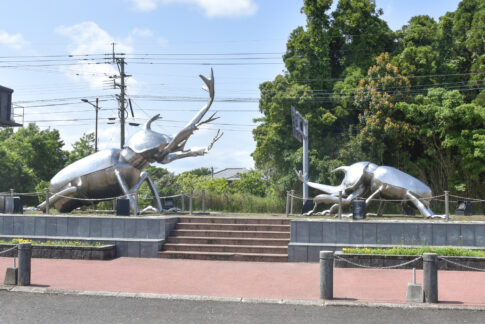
point(148, 124)
point(192, 125)
point(343, 168)
point(209, 87)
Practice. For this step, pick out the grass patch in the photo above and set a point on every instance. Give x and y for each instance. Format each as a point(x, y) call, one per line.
point(63, 243)
point(443, 251)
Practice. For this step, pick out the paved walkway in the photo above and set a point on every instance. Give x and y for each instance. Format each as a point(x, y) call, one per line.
point(288, 281)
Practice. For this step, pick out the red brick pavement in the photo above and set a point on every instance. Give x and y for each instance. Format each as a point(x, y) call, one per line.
point(291, 281)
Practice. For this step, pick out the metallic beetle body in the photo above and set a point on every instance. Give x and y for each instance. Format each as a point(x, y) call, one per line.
point(116, 172)
point(386, 182)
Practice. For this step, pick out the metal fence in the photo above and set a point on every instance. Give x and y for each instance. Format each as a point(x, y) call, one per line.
point(184, 201)
point(443, 205)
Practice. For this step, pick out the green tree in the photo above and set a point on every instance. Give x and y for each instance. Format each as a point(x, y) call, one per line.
point(28, 157)
point(351, 102)
point(39, 151)
point(363, 35)
point(82, 148)
point(307, 50)
point(385, 136)
point(251, 182)
point(451, 138)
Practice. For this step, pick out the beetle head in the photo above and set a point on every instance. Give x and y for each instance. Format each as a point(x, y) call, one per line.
point(147, 140)
point(354, 174)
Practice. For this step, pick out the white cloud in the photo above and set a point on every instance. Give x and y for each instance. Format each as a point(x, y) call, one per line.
point(142, 32)
point(211, 8)
point(145, 5)
point(15, 41)
point(88, 38)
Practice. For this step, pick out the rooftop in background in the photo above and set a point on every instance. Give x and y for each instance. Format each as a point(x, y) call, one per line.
point(6, 107)
point(230, 174)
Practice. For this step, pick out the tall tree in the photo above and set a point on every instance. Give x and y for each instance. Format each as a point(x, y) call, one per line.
point(39, 150)
point(82, 148)
point(451, 138)
point(384, 136)
point(363, 34)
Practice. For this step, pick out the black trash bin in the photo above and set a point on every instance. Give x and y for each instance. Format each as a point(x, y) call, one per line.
point(463, 208)
point(358, 209)
point(168, 203)
point(122, 207)
point(13, 205)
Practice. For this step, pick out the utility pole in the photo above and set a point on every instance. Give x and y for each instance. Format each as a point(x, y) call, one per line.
point(96, 129)
point(121, 66)
point(96, 107)
point(120, 62)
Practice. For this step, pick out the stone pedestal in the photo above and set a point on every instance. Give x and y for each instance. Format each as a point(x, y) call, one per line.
point(11, 276)
point(414, 293)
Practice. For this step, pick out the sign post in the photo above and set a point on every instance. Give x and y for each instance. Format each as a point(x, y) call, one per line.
point(300, 132)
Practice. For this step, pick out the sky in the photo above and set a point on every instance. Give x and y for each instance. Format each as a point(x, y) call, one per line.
point(54, 53)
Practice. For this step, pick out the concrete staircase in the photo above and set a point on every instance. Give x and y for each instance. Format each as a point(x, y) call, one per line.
point(223, 238)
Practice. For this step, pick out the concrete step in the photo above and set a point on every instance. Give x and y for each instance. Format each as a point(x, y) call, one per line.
point(226, 256)
point(228, 240)
point(226, 248)
point(234, 220)
point(236, 234)
point(234, 227)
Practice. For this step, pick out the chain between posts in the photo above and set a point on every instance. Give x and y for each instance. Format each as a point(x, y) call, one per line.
point(8, 250)
point(373, 267)
point(460, 264)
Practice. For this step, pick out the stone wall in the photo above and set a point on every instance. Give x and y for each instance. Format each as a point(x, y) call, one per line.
point(106, 252)
point(133, 236)
point(376, 261)
point(309, 237)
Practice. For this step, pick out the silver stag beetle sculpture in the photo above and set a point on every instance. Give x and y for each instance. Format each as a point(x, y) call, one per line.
point(383, 181)
point(114, 172)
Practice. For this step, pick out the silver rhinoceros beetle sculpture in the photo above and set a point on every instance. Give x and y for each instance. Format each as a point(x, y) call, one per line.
point(384, 181)
point(115, 172)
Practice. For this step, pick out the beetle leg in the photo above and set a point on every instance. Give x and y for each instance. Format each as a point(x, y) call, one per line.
point(425, 211)
point(368, 200)
point(381, 207)
point(69, 191)
point(345, 200)
point(144, 176)
point(126, 191)
point(154, 191)
point(316, 201)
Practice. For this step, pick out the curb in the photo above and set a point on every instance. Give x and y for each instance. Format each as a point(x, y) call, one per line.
point(321, 303)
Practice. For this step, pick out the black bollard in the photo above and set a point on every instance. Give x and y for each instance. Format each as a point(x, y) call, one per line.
point(326, 274)
point(430, 277)
point(25, 255)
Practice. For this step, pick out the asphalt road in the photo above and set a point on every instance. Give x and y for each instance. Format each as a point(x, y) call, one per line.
point(51, 308)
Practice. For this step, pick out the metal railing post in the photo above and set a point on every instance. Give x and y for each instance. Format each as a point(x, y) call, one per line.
point(136, 204)
point(292, 201)
point(326, 274)
point(203, 200)
point(447, 206)
point(190, 200)
point(340, 205)
point(25, 255)
point(11, 192)
point(430, 277)
point(287, 203)
point(47, 203)
point(182, 196)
